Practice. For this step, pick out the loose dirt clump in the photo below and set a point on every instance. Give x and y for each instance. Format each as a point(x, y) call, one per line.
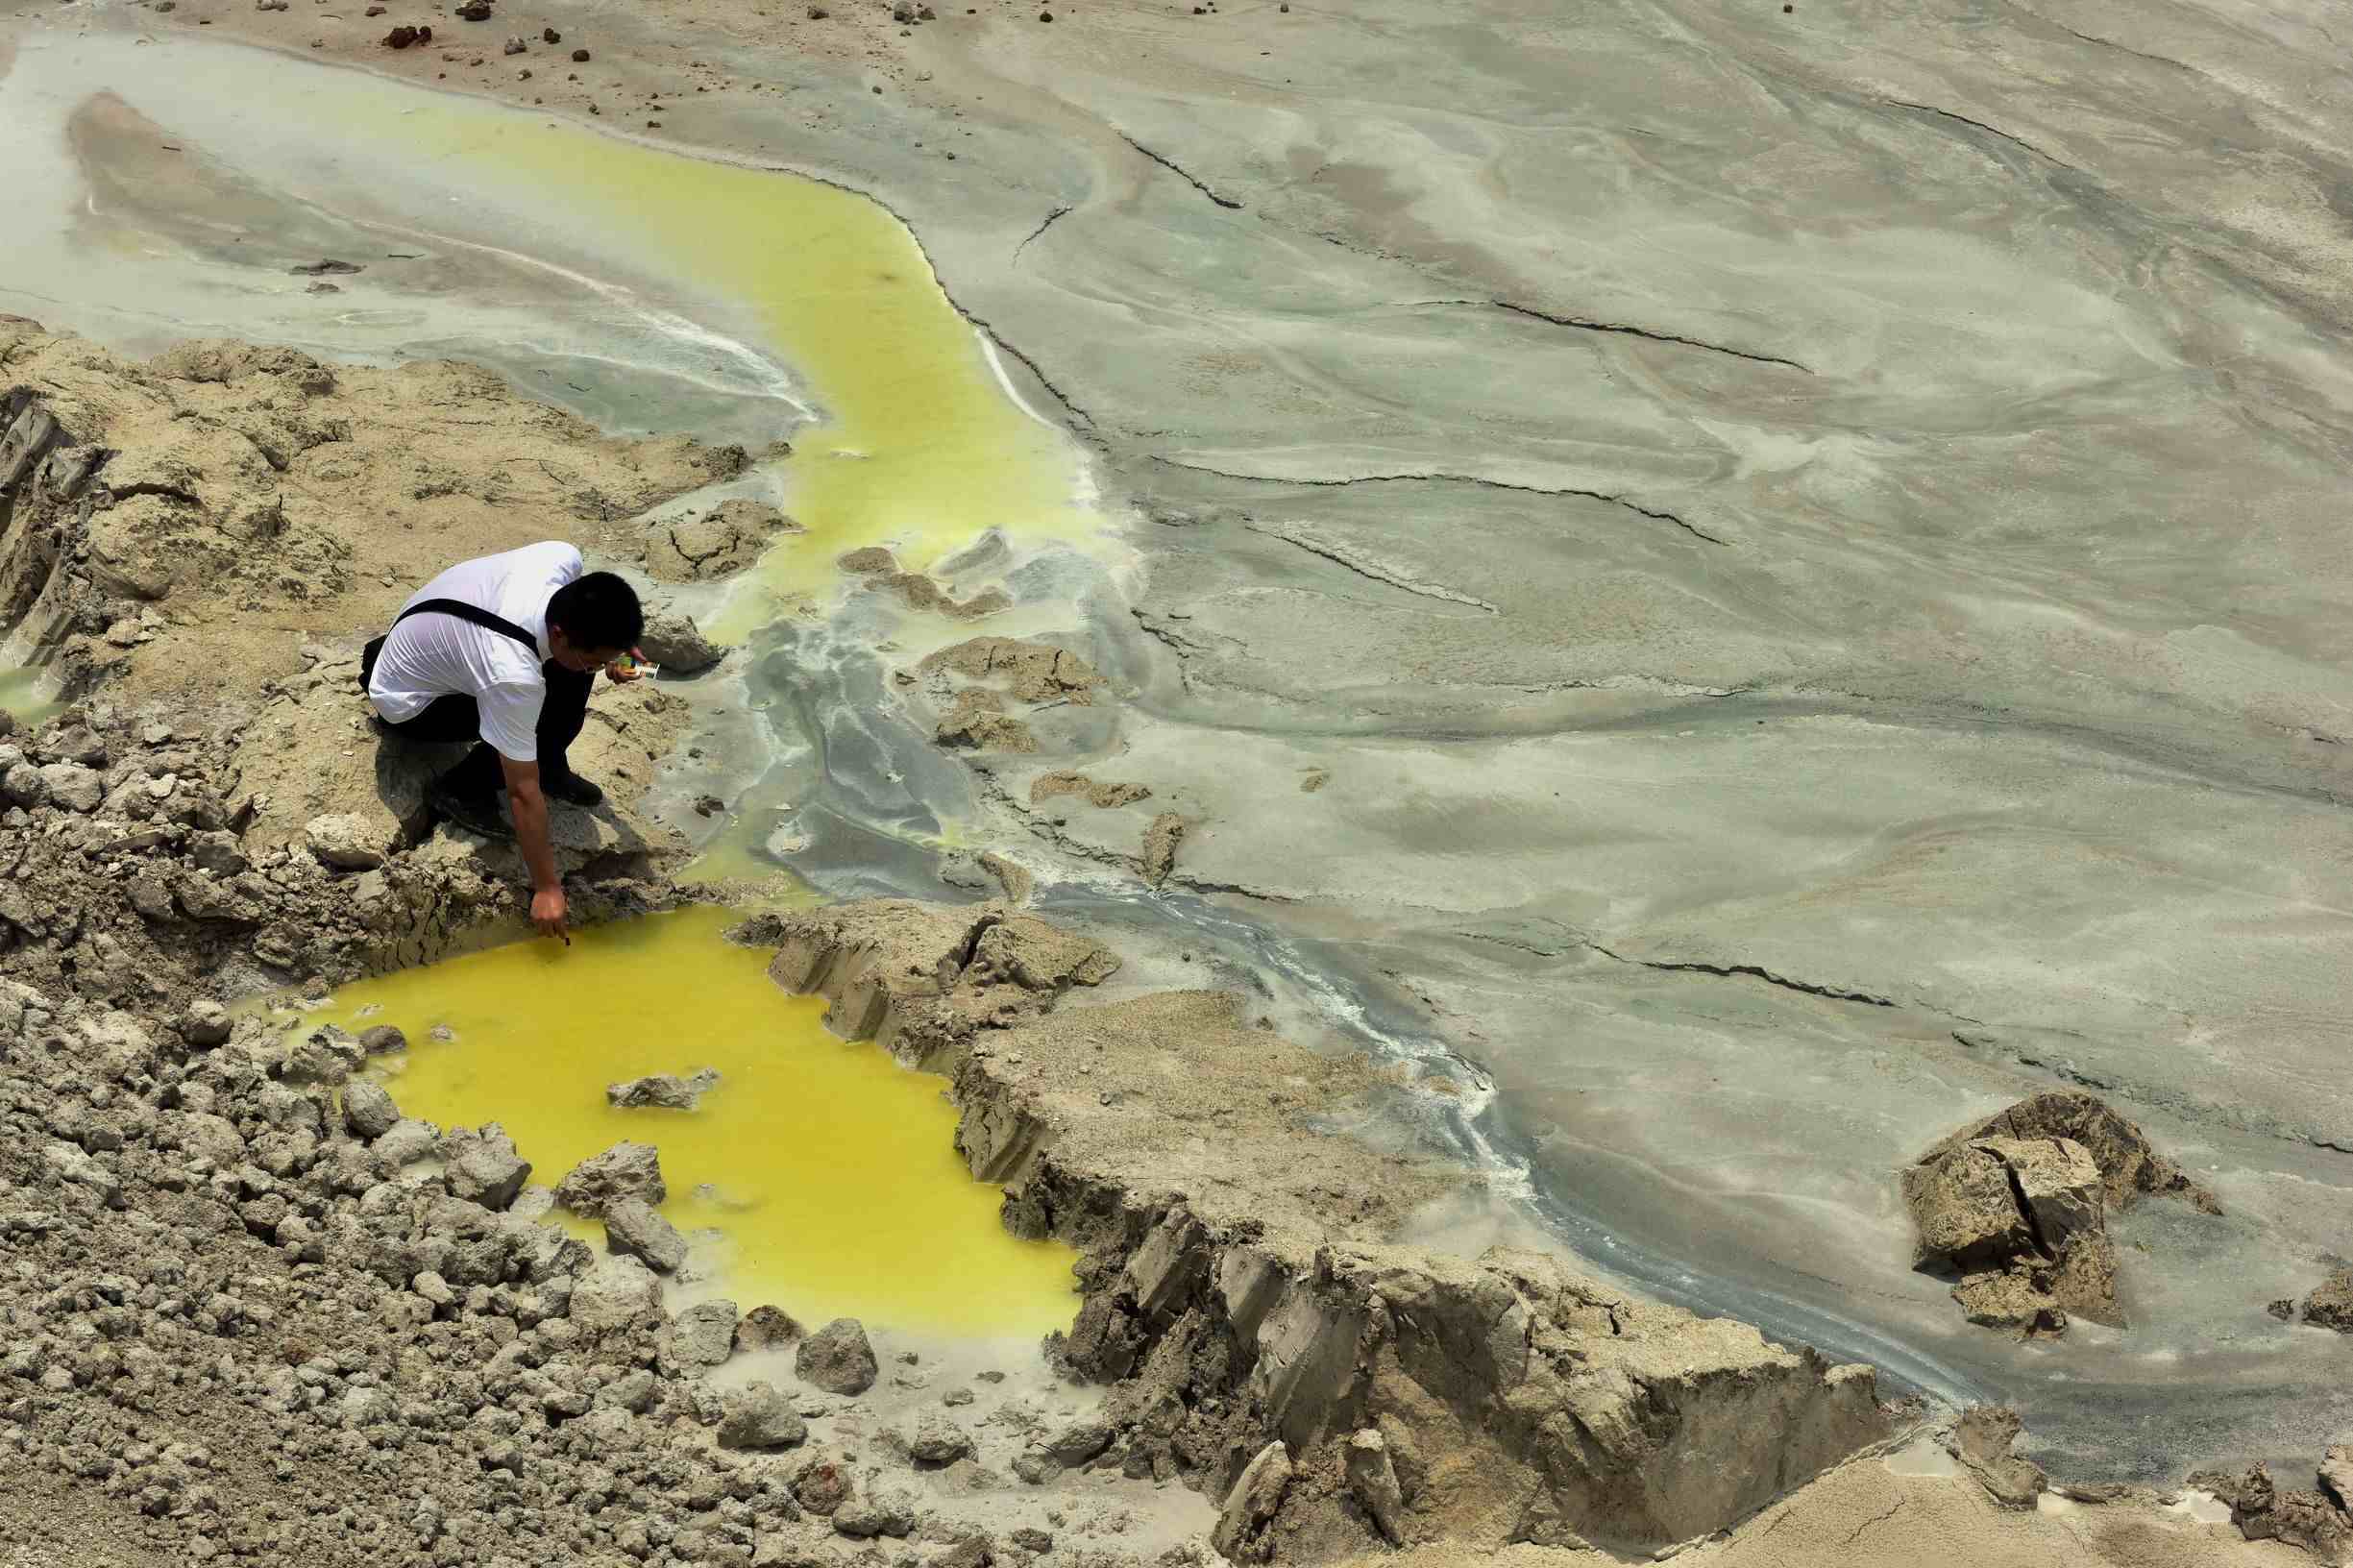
point(2019, 1205)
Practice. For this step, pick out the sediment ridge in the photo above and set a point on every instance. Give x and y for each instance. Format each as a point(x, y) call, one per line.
point(1264, 1337)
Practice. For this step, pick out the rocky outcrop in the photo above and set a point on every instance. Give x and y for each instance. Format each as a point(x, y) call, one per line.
point(2315, 1518)
point(1252, 1307)
point(2330, 1305)
point(2018, 1206)
point(719, 543)
point(1981, 1441)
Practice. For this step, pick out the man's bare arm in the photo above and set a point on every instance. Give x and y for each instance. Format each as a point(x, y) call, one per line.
point(528, 807)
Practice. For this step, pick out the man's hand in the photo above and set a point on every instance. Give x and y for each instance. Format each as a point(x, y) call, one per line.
point(547, 909)
point(632, 668)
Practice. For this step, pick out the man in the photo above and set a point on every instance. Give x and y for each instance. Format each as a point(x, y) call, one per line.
point(502, 651)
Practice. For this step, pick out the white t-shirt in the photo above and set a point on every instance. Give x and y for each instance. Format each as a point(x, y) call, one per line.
point(434, 656)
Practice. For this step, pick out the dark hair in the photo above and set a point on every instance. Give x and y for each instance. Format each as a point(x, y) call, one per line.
point(597, 611)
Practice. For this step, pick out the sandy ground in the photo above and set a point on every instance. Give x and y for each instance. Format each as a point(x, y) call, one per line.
point(1798, 551)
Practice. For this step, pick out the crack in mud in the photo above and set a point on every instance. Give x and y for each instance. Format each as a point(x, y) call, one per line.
point(1051, 218)
point(1585, 324)
point(1441, 477)
point(1990, 131)
point(1173, 168)
point(1894, 1510)
point(1371, 570)
point(1751, 971)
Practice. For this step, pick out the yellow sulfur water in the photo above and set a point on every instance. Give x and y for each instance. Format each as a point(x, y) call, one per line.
point(921, 446)
point(831, 1168)
point(19, 697)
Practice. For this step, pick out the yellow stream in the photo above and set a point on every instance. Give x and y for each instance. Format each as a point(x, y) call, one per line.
point(919, 447)
point(830, 1168)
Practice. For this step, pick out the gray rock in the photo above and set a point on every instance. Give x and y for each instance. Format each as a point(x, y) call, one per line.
point(433, 1288)
point(632, 1391)
point(865, 1517)
point(1240, 1536)
point(381, 1039)
point(616, 1290)
point(836, 1358)
point(766, 1328)
point(72, 786)
point(1035, 1466)
point(698, 1339)
point(205, 1024)
point(367, 1406)
point(327, 1055)
point(632, 1170)
point(204, 1136)
point(346, 841)
point(1078, 1442)
point(217, 851)
point(1033, 1540)
point(482, 1167)
point(408, 1142)
point(1965, 1209)
point(1373, 1479)
point(368, 1109)
point(532, 1202)
point(663, 1091)
point(939, 1441)
point(23, 786)
point(674, 642)
point(634, 1230)
point(757, 1416)
point(2058, 1181)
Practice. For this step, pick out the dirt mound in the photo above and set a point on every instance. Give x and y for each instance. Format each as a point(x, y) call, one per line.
point(1245, 1302)
point(182, 526)
point(2018, 1205)
point(706, 546)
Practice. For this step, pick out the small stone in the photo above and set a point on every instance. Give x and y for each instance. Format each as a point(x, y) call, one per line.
point(616, 1290)
point(345, 842)
point(516, 46)
point(433, 1288)
point(368, 1110)
point(475, 10)
point(72, 786)
point(662, 1090)
point(579, 57)
point(623, 1171)
point(757, 1416)
point(549, 35)
point(1033, 1540)
point(939, 1441)
point(381, 1039)
point(766, 1328)
point(205, 1024)
point(698, 1339)
point(634, 1230)
point(838, 1358)
point(2284, 1309)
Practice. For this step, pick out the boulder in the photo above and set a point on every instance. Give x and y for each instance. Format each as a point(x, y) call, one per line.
point(757, 1416)
point(632, 1170)
point(1964, 1211)
point(482, 1166)
point(1078, 1442)
point(1241, 1533)
point(865, 1517)
point(632, 1229)
point(368, 1110)
point(674, 642)
point(838, 1358)
point(2058, 1183)
point(383, 1038)
point(698, 1339)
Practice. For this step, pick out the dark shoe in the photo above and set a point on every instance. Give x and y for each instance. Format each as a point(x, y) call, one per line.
point(477, 814)
point(571, 788)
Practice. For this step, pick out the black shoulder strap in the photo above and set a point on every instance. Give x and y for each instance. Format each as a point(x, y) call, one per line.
point(471, 612)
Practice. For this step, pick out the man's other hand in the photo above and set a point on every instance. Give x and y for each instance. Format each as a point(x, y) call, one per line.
point(548, 911)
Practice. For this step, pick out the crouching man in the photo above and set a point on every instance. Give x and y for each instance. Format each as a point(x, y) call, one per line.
point(502, 651)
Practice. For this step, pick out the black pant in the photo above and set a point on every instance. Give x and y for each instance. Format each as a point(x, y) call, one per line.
point(457, 716)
